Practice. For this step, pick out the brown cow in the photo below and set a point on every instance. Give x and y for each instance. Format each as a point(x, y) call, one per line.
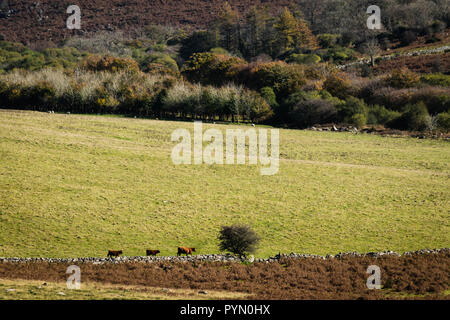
point(152, 252)
point(185, 250)
point(112, 253)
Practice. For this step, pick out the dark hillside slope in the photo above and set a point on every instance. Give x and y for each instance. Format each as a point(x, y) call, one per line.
point(44, 21)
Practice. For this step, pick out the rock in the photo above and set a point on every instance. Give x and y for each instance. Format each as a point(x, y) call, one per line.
point(211, 257)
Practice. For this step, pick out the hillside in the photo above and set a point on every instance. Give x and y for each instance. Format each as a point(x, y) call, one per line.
point(44, 21)
point(76, 185)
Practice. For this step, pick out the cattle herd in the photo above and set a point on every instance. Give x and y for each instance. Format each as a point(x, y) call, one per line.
point(181, 250)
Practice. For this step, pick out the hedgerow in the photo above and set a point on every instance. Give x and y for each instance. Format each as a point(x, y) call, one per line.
point(131, 93)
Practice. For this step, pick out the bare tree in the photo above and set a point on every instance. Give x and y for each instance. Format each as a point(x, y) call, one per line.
point(372, 48)
point(312, 10)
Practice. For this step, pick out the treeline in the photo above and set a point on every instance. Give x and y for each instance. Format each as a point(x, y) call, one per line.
point(262, 36)
point(262, 67)
point(308, 26)
point(276, 92)
point(401, 20)
point(259, 33)
point(128, 92)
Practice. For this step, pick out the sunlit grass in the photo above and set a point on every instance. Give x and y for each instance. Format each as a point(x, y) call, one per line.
point(75, 185)
point(43, 290)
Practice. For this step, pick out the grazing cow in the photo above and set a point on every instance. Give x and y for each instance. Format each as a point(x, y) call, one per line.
point(185, 250)
point(152, 252)
point(112, 253)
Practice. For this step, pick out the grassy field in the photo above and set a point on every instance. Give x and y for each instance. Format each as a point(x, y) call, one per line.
point(76, 185)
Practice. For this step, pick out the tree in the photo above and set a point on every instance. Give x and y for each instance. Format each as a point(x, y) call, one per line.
point(403, 78)
point(312, 10)
point(258, 32)
point(415, 118)
point(351, 108)
point(238, 239)
point(4, 5)
point(210, 68)
point(287, 28)
point(294, 32)
point(443, 121)
point(310, 112)
point(372, 48)
point(200, 41)
point(304, 37)
point(227, 28)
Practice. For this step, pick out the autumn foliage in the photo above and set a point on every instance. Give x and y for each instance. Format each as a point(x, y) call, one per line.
point(110, 63)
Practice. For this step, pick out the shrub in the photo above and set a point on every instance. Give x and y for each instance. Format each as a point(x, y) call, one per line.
point(282, 77)
point(415, 118)
point(359, 120)
point(402, 78)
point(67, 58)
point(338, 85)
point(161, 70)
point(301, 96)
point(225, 102)
point(160, 34)
point(209, 68)
point(436, 79)
point(380, 115)
point(109, 63)
point(83, 92)
point(219, 50)
point(39, 94)
point(256, 108)
point(436, 99)
point(438, 26)
point(103, 43)
point(310, 112)
point(432, 40)
point(269, 95)
point(350, 108)
point(303, 58)
point(17, 56)
point(200, 41)
point(164, 60)
point(159, 47)
point(238, 239)
point(443, 121)
point(339, 54)
point(327, 40)
point(408, 37)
